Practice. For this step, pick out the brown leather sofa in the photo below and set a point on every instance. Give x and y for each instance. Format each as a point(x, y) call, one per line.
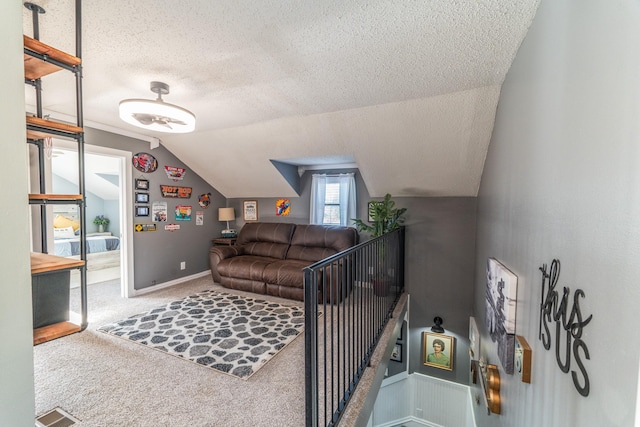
point(269, 258)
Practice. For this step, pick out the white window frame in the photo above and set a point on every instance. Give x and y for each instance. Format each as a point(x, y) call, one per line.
point(347, 197)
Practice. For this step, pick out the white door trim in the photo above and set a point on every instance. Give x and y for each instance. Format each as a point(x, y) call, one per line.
point(126, 209)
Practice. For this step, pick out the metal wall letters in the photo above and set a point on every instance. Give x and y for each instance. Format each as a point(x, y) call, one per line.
point(553, 308)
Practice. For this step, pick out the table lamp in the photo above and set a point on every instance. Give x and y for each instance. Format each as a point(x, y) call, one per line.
point(227, 214)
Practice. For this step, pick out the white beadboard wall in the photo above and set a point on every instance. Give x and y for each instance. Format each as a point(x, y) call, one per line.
point(420, 400)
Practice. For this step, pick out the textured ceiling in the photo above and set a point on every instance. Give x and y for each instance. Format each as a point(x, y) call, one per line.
point(407, 89)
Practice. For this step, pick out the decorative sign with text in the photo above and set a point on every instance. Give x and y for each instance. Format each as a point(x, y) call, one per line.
point(174, 191)
point(172, 227)
point(175, 173)
point(183, 213)
point(141, 228)
point(558, 310)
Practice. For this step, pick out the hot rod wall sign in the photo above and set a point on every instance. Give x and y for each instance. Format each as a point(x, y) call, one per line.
point(173, 191)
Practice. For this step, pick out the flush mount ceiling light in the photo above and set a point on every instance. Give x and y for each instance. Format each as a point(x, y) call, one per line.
point(157, 115)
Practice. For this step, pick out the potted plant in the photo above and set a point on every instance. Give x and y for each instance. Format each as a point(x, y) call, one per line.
point(101, 221)
point(385, 217)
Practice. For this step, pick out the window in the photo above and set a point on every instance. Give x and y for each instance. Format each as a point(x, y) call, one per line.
point(331, 204)
point(333, 199)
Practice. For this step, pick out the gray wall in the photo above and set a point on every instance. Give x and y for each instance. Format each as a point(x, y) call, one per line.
point(16, 329)
point(561, 180)
point(439, 272)
point(157, 255)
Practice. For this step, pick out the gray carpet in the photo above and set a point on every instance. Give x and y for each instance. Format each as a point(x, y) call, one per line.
point(107, 381)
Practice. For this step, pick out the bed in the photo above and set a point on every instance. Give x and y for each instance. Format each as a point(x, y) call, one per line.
point(98, 242)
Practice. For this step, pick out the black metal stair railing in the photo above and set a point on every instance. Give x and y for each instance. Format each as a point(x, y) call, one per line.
point(349, 298)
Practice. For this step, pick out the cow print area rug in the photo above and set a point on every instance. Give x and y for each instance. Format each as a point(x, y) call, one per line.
point(232, 334)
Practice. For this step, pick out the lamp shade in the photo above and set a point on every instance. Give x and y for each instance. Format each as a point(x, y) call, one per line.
point(226, 214)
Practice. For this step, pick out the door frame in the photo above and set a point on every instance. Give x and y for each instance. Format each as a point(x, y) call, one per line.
point(125, 208)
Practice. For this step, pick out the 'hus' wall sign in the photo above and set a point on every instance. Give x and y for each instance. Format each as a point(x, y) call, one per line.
point(554, 308)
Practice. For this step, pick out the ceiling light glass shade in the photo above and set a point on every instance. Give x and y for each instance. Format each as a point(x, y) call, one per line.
point(157, 116)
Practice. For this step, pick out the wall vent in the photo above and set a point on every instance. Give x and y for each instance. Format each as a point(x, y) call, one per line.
point(56, 418)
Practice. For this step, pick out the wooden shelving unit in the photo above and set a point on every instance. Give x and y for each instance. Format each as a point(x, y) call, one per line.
point(45, 263)
point(38, 128)
point(34, 65)
point(49, 272)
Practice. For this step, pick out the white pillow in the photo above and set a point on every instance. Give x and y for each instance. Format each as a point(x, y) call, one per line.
point(63, 233)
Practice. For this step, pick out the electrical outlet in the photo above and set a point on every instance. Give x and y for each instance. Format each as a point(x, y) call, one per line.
point(183, 265)
point(418, 412)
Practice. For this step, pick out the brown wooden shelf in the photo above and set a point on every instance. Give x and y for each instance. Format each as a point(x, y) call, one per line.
point(56, 330)
point(35, 68)
point(44, 263)
point(69, 197)
point(52, 125)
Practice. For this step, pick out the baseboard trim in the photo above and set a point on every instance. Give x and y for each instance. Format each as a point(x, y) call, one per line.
point(170, 283)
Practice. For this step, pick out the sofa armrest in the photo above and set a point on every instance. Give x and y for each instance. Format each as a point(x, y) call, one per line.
point(217, 254)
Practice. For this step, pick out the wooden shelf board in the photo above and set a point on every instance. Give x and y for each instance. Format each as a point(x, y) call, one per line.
point(70, 197)
point(49, 124)
point(43, 263)
point(35, 68)
point(51, 332)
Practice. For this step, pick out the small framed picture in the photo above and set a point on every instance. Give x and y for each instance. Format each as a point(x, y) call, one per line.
point(250, 210)
point(371, 206)
point(474, 339)
point(396, 353)
point(400, 334)
point(142, 210)
point(142, 197)
point(142, 184)
point(438, 350)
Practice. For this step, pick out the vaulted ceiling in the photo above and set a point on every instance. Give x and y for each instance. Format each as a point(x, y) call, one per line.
point(406, 90)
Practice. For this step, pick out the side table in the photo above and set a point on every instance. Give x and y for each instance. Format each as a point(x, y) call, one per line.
point(224, 241)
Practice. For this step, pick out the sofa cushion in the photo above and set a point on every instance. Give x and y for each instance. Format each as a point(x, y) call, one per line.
point(266, 239)
point(315, 242)
point(285, 273)
point(248, 267)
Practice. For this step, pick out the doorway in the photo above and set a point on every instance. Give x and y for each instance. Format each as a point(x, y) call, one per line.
point(108, 194)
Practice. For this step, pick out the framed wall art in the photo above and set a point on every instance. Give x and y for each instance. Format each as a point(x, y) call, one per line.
point(283, 207)
point(142, 210)
point(142, 184)
point(500, 315)
point(474, 339)
point(401, 333)
point(396, 353)
point(142, 197)
point(370, 206)
point(522, 359)
point(250, 210)
point(144, 162)
point(159, 210)
point(438, 350)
